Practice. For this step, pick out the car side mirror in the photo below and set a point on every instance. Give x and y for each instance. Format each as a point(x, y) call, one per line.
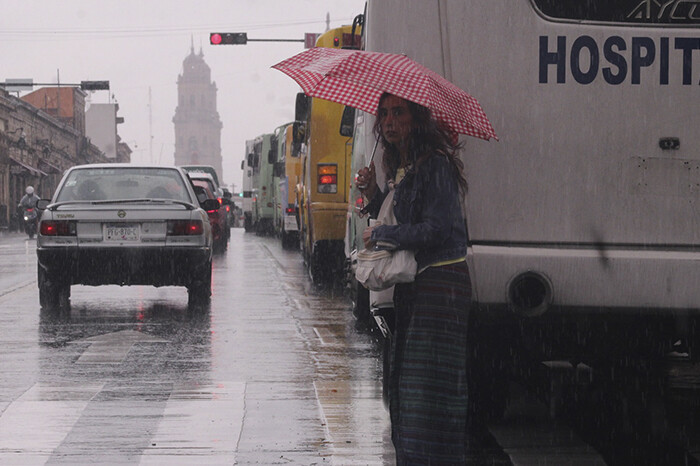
point(302, 107)
point(210, 204)
point(42, 204)
point(298, 137)
point(347, 122)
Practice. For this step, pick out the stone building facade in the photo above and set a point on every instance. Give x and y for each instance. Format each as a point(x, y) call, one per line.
point(42, 134)
point(196, 120)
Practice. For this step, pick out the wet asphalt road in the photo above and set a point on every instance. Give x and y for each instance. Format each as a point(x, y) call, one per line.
point(274, 372)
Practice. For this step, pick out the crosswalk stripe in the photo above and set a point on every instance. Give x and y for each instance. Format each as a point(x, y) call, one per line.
point(35, 424)
point(199, 421)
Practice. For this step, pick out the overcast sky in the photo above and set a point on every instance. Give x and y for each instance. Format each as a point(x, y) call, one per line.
point(139, 45)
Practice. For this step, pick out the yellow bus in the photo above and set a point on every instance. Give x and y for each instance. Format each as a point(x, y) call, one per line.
point(326, 172)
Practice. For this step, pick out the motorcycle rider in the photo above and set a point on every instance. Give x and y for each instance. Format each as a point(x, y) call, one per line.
point(28, 201)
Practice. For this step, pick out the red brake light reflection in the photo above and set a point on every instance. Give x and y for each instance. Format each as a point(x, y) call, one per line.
point(328, 179)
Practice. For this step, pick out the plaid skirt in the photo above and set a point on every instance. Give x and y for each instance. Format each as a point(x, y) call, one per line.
point(428, 376)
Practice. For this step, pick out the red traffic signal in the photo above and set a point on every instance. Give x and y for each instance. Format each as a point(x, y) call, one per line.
point(228, 38)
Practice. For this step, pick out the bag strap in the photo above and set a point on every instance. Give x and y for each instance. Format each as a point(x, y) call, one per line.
point(386, 212)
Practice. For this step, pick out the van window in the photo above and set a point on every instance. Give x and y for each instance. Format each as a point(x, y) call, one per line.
point(675, 12)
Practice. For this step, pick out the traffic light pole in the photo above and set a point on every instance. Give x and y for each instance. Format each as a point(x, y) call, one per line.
point(275, 40)
point(240, 38)
point(84, 85)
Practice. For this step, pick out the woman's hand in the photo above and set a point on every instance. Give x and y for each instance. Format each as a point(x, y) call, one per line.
point(367, 181)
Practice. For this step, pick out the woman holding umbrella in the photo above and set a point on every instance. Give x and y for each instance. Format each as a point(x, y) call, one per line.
point(419, 114)
point(428, 380)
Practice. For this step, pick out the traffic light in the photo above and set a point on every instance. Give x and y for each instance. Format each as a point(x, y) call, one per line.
point(228, 38)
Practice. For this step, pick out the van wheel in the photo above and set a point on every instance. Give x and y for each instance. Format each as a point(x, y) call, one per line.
point(290, 240)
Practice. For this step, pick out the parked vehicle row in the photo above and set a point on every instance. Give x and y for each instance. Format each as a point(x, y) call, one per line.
point(300, 173)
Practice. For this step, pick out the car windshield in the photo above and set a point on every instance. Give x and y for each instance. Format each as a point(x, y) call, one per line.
point(100, 184)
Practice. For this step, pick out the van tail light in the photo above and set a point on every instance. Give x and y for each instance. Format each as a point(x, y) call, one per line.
point(327, 178)
point(185, 227)
point(58, 228)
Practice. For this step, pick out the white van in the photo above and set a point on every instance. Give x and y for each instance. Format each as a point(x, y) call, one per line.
point(584, 217)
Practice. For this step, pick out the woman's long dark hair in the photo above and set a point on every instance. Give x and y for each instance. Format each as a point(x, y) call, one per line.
point(428, 137)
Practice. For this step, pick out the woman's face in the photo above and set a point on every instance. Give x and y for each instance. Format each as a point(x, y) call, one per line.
point(395, 121)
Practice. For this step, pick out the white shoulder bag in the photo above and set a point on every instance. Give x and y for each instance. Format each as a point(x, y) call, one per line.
point(381, 269)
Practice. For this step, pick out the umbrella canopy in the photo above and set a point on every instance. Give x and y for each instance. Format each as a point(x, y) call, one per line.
point(358, 78)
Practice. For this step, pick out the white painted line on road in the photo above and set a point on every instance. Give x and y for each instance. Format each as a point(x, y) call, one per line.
point(36, 423)
point(17, 287)
point(346, 435)
point(318, 334)
point(201, 424)
point(326, 336)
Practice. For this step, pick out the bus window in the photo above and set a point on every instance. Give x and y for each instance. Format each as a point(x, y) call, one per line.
point(677, 12)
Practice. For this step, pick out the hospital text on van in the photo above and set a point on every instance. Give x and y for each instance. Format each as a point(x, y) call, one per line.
point(622, 61)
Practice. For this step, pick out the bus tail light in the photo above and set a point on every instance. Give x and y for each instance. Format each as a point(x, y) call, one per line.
point(185, 227)
point(328, 178)
point(58, 228)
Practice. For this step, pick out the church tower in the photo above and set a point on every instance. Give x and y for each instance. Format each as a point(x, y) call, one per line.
point(197, 122)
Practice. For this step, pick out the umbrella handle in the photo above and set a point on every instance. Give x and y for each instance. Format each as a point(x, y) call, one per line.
point(373, 151)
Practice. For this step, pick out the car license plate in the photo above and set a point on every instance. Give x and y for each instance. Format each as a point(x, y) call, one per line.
point(122, 232)
point(290, 224)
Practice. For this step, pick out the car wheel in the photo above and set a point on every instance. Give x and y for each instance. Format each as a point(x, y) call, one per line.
point(288, 240)
point(52, 293)
point(199, 290)
point(219, 245)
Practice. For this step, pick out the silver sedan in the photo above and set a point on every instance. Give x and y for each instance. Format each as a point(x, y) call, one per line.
point(125, 225)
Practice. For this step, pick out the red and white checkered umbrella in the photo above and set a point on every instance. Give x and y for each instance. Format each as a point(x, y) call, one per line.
point(358, 78)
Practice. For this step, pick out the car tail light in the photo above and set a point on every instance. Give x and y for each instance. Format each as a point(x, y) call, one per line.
point(185, 227)
point(328, 178)
point(58, 228)
point(290, 210)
